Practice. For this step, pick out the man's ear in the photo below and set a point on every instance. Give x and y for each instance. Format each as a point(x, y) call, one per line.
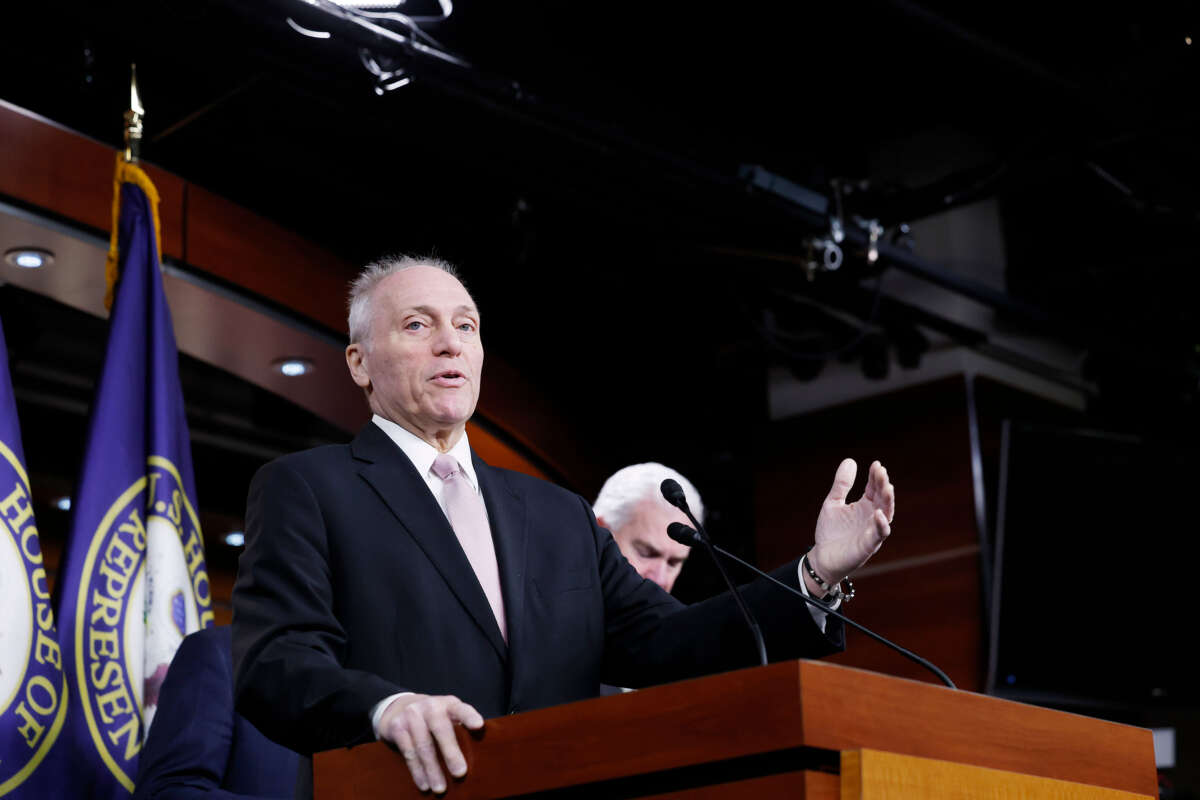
point(356, 360)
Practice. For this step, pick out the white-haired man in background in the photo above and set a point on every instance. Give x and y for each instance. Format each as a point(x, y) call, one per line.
point(631, 506)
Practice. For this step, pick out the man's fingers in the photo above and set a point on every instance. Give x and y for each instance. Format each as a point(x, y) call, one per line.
point(881, 475)
point(465, 714)
point(443, 734)
point(871, 490)
point(843, 481)
point(889, 502)
point(427, 755)
point(404, 742)
point(882, 528)
point(422, 729)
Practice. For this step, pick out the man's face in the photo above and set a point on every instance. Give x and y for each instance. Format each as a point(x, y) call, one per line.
point(644, 541)
point(423, 358)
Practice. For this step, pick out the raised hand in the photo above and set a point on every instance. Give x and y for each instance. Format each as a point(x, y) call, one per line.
point(848, 534)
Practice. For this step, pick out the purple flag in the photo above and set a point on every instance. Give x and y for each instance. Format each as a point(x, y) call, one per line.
point(32, 689)
point(134, 581)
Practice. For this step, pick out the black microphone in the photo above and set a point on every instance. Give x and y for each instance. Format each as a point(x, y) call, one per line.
point(685, 535)
point(672, 492)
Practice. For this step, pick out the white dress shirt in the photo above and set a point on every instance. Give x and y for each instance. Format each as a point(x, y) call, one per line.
point(422, 454)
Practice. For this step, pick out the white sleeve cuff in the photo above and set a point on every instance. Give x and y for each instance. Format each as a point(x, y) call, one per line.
point(818, 615)
point(381, 706)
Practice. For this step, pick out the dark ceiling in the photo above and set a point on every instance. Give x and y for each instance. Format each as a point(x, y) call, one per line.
point(584, 172)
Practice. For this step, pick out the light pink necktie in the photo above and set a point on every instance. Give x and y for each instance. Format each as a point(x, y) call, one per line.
point(467, 515)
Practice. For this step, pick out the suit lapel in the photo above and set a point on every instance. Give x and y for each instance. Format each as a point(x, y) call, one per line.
point(507, 517)
point(405, 493)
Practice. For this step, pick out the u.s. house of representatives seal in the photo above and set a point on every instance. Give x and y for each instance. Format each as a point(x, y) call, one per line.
point(143, 588)
point(33, 693)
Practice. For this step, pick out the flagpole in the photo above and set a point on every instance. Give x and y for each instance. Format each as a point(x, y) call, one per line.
point(133, 119)
point(128, 171)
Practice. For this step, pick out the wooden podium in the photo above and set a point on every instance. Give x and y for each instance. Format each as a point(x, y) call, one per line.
point(801, 729)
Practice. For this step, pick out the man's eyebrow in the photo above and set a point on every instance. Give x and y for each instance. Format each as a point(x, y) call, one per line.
point(430, 311)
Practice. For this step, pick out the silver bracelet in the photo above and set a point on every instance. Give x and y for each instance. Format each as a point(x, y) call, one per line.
point(833, 593)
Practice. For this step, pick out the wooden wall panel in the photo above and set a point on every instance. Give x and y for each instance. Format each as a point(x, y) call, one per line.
point(496, 452)
point(933, 610)
point(56, 170)
point(240, 247)
point(51, 167)
point(64, 172)
point(922, 588)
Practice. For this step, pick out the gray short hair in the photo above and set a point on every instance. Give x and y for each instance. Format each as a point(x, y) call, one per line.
point(629, 486)
point(361, 288)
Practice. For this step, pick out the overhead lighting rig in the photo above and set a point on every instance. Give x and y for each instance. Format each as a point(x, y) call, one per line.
point(824, 251)
point(381, 21)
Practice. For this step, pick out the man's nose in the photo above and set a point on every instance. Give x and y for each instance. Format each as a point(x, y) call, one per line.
point(656, 572)
point(446, 340)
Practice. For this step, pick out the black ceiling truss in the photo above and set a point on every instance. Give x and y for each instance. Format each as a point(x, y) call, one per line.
point(736, 196)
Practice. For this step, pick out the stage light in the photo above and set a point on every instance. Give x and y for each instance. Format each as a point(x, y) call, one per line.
point(63, 504)
point(303, 31)
point(29, 257)
point(293, 367)
point(235, 539)
point(446, 6)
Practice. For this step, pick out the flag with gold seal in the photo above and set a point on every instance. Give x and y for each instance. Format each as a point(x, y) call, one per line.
point(134, 581)
point(33, 692)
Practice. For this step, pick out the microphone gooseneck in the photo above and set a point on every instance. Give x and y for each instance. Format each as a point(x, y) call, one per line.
point(685, 535)
point(672, 492)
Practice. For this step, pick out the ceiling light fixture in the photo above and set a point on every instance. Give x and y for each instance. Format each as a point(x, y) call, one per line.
point(369, 4)
point(235, 539)
point(303, 31)
point(390, 9)
point(63, 503)
point(29, 257)
point(293, 367)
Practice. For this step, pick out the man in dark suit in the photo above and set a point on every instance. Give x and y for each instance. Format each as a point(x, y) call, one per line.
point(198, 746)
point(386, 579)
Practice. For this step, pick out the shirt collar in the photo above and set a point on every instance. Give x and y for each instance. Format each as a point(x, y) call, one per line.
point(422, 454)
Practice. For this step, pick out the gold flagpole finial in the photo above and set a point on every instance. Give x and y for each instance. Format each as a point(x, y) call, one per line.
point(133, 119)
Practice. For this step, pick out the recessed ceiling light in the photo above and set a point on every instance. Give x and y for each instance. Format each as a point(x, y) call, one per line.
point(29, 257)
point(293, 367)
point(235, 539)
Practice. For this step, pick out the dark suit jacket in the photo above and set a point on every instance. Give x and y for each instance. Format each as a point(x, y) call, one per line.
point(353, 587)
point(198, 746)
